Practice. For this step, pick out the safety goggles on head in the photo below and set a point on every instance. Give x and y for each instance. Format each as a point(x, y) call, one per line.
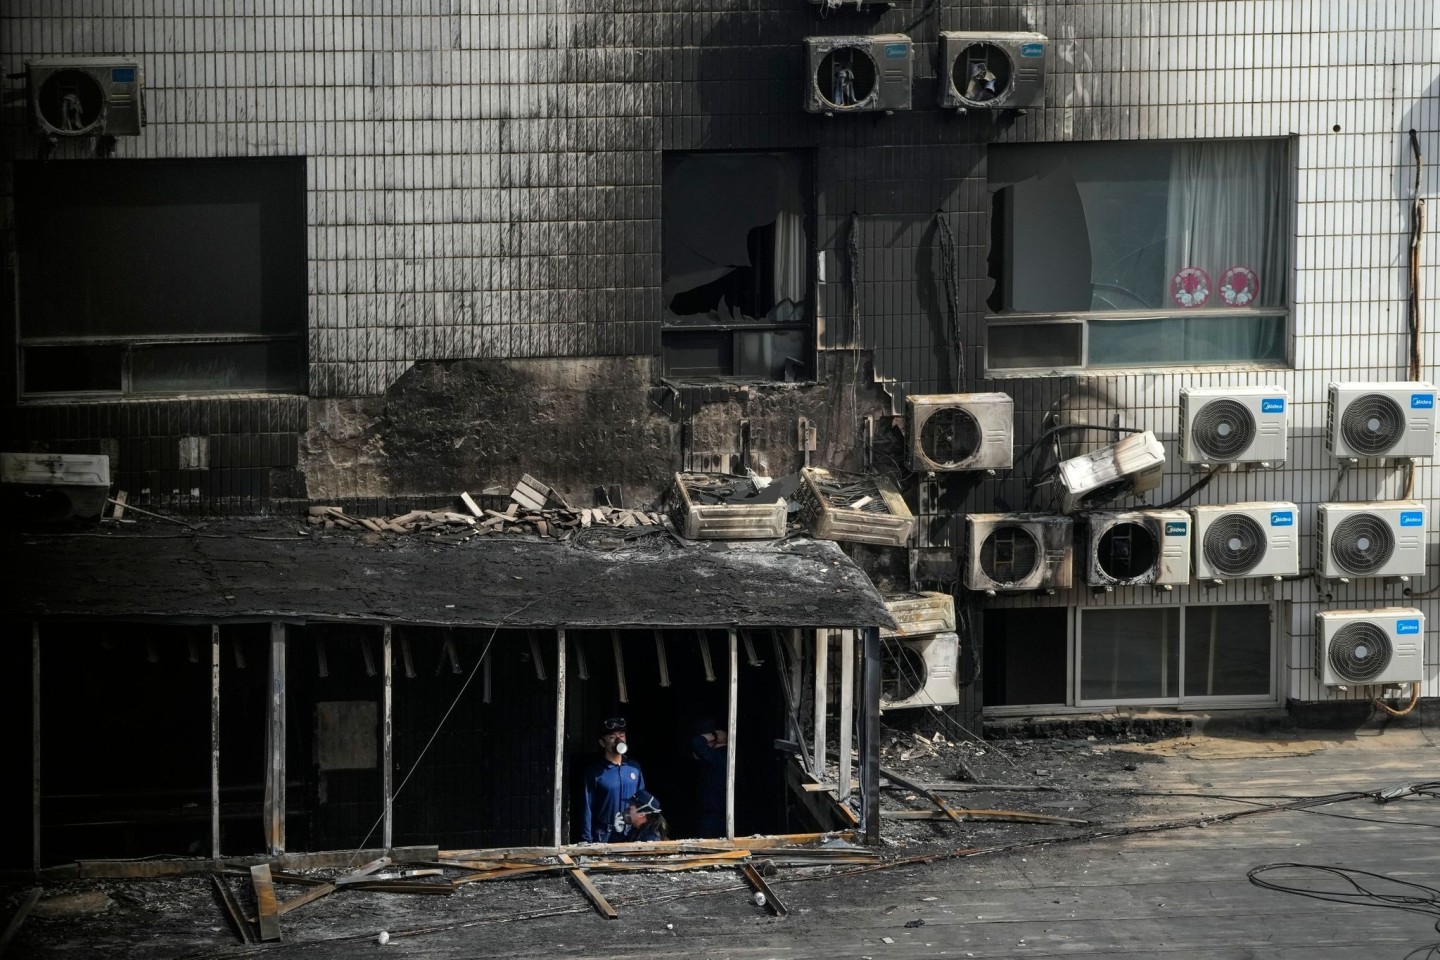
point(614, 724)
point(650, 804)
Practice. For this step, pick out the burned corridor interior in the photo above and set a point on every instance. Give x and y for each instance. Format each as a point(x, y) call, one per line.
point(472, 757)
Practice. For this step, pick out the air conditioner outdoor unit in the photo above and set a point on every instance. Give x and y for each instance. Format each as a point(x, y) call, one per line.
point(1382, 539)
point(1381, 420)
point(1362, 647)
point(47, 487)
point(86, 96)
point(992, 71)
point(1234, 425)
point(1017, 552)
point(917, 614)
point(1138, 547)
point(858, 74)
point(1246, 540)
point(1131, 465)
point(920, 672)
point(961, 431)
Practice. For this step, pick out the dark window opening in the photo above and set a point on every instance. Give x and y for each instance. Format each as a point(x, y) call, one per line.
point(161, 276)
point(737, 283)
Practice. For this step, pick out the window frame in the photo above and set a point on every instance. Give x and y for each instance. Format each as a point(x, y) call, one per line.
point(291, 201)
point(1274, 610)
point(809, 327)
point(994, 320)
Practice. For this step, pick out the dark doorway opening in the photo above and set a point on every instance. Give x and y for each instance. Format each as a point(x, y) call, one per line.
point(1025, 656)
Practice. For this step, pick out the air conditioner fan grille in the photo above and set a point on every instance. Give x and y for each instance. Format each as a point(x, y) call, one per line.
point(1362, 543)
point(1372, 424)
point(950, 437)
point(1127, 551)
point(902, 672)
point(1009, 554)
point(982, 72)
point(1223, 428)
point(1234, 544)
point(1359, 652)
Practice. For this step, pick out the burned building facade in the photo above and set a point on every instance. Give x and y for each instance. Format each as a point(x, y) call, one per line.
point(264, 259)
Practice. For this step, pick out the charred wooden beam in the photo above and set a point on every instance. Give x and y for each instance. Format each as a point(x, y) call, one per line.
point(587, 887)
point(18, 918)
point(238, 922)
point(757, 883)
point(267, 910)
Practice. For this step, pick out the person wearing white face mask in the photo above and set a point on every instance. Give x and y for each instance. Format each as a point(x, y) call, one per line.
point(610, 784)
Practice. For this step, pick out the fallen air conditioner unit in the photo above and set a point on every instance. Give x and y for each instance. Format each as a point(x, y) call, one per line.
point(920, 613)
point(48, 487)
point(1130, 466)
point(856, 508)
point(720, 506)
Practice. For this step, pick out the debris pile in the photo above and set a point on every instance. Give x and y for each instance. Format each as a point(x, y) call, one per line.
point(557, 523)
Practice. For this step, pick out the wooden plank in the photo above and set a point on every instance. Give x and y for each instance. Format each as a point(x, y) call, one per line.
point(120, 499)
point(758, 884)
point(847, 706)
point(822, 685)
point(35, 861)
point(387, 739)
point(274, 800)
point(365, 871)
point(309, 896)
point(266, 908)
point(215, 741)
point(18, 918)
point(730, 746)
point(949, 813)
point(928, 794)
point(238, 922)
point(471, 505)
point(588, 888)
point(558, 783)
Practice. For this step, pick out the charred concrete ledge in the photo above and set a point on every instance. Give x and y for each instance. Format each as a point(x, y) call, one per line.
point(269, 569)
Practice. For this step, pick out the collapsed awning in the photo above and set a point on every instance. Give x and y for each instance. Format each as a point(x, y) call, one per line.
point(272, 569)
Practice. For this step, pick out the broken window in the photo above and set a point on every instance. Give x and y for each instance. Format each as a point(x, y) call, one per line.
point(1133, 254)
point(736, 278)
point(161, 276)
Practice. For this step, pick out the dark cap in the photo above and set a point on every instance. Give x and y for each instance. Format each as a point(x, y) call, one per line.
point(611, 725)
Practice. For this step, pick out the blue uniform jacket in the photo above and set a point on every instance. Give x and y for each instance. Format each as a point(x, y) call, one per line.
point(608, 789)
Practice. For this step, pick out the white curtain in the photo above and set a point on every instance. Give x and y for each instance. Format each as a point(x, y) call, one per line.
point(790, 247)
point(1228, 214)
point(1228, 203)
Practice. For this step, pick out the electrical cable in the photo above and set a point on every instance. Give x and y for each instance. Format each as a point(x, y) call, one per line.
point(1404, 894)
point(1193, 489)
point(950, 266)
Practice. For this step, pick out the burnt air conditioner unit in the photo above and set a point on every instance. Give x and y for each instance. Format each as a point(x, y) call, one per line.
point(50, 487)
point(1381, 420)
point(1246, 540)
point(1234, 425)
point(1130, 466)
point(86, 96)
point(1138, 547)
point(1017, 552)
point(1383, 539)
point(992, 71)
point(920, 613)
point(1362, 647)
point(961, 431)
point(858, 74)
point(920, 672)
